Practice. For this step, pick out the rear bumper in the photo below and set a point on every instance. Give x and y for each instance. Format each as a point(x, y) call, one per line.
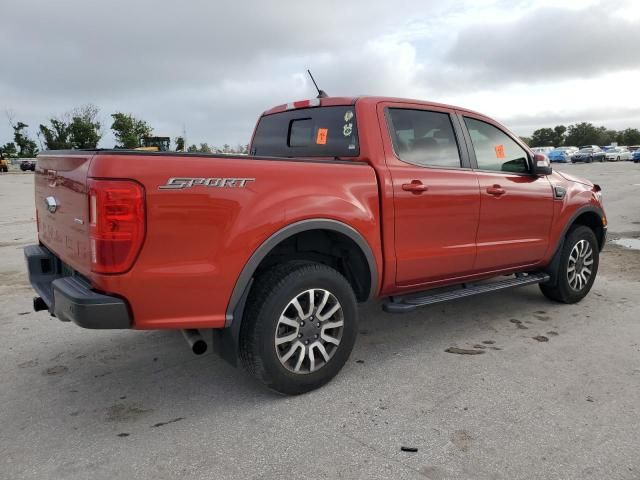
point(69, 297)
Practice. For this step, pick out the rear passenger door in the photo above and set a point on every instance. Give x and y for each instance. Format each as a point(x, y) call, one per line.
point(436, 194)
point(516, 207)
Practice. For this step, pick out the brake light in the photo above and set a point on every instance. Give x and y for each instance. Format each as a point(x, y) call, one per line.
point(314, 102)
point(116, 224)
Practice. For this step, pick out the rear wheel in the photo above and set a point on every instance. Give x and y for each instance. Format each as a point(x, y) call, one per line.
point(577, 268)
point(299, 327)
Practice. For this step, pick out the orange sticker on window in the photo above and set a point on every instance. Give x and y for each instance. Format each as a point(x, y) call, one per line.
point(499, 151)
point(321, 138)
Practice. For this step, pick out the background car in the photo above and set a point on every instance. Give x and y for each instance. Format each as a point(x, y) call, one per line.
point(543, 150)
point(562, 154)
point(617, 153)
point(28, 165)
point(588, 154)
point(636, 156)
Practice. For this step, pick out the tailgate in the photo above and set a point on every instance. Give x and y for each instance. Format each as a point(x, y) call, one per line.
point(62, 206)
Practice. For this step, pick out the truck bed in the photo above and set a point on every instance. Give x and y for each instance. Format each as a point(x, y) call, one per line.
point(198, 237)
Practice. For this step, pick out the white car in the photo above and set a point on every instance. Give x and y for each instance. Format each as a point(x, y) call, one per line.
point(542, 150)
point(617, 153)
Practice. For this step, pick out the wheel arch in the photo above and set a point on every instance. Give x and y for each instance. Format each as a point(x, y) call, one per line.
point(225, 340)
point(243, 283)
point(589, 216)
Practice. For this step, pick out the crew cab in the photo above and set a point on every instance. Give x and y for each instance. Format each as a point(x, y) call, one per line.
point(340, 201)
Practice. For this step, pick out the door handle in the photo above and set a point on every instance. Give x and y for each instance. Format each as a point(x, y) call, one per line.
point(416, 186)
point(496, 190)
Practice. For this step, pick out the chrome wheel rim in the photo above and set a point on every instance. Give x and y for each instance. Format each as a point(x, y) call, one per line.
point(580, 266)
point(309, 331)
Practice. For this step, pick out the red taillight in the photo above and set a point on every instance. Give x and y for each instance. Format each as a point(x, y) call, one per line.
point(116, 224)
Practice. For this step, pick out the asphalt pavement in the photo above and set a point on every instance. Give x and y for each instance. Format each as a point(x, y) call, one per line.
point(554, 395)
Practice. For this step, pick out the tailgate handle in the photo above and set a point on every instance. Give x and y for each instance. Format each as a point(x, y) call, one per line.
point(52, 176)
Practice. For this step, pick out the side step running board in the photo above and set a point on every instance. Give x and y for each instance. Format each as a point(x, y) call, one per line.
point(408, 303)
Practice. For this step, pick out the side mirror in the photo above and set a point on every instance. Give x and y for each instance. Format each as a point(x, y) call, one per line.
point(541, 165)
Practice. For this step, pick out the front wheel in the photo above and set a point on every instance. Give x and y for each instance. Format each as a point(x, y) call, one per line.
point(577, 268)
point(299, 327)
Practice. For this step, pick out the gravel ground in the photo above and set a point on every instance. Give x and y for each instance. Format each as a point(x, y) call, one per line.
point(77, 404)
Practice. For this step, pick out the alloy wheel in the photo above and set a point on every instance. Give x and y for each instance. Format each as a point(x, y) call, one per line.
point(309, 331)
point(580, 264)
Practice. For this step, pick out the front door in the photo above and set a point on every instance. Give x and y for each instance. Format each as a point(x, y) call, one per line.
point(436, 195)
point(516, 207)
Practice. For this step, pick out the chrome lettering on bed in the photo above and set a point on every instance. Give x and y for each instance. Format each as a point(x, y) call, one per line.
point(178, 183)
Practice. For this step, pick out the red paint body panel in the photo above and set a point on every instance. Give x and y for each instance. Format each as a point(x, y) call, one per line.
point(199, 239)
point(65, 177)
point(514, 227)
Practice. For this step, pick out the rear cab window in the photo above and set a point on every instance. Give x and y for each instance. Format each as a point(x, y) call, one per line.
point(424, 138)
point(308, 132)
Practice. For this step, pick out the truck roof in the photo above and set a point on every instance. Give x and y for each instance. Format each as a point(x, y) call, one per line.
point(333, 101)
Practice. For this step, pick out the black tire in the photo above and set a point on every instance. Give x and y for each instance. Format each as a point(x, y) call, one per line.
point(270, 299)
point(561, 289)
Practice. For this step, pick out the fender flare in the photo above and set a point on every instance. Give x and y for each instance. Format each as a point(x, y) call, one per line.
point(555, 259)
point(235, 307)
point(586, 209)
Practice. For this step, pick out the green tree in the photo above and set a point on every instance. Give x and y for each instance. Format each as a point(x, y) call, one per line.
point(559, 131)
point(526, 140)
point(56, 136)
point(606, 136)
point(179, 144)
point(84, 128)
point(129, 130)
point(204, 148)
point(26, 146)
point(9, 149)
point(630, 136)
point(76, 129)
point(192, 148)
point(583, 133)
point(543, 137)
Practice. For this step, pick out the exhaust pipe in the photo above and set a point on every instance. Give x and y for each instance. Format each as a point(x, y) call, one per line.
point(39, 304)
point(195, 341)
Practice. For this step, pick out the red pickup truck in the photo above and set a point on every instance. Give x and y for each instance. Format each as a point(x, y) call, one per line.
point(339, 201)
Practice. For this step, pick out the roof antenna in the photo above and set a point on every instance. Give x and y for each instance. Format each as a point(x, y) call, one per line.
point(321, 93)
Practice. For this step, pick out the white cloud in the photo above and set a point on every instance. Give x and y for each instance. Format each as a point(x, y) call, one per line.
point(214, 67)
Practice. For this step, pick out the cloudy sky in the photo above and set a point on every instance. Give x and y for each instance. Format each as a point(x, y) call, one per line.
point(211, 67)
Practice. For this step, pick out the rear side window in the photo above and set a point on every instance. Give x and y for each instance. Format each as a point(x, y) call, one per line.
point(495, 150)
point(424, 138)
point(308, 132)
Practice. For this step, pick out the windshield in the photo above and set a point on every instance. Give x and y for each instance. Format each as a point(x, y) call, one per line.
point(586, 150)
point(308, 132)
